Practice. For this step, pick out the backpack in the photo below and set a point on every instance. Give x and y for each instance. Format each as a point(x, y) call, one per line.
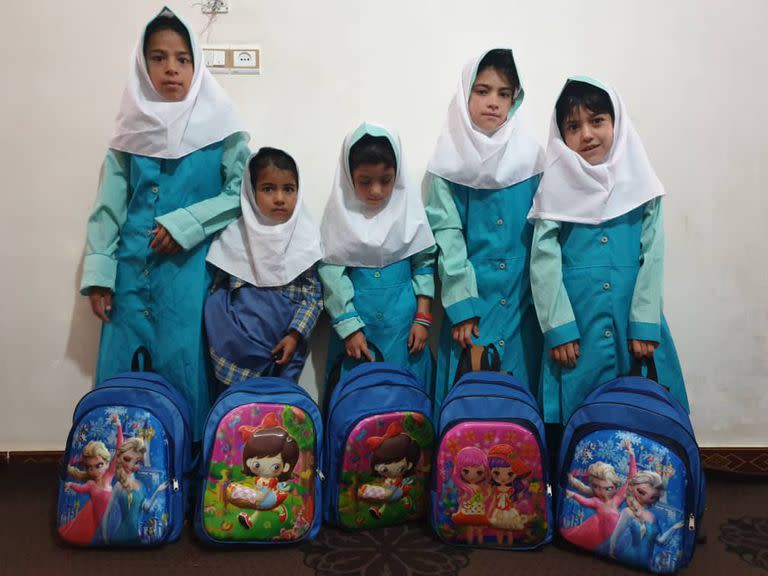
point(125, 468)
point(262, 453)
point(491, 485)
point(378, 445)
point(630, 477)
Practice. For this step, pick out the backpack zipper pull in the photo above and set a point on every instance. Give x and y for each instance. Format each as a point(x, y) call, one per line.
point(691, 522)
point(549, 490)
point(320, 473)
point(175, 485)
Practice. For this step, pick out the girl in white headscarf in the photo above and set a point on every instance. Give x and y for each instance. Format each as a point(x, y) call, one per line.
point(171, 178)
point(482, 178)
point(377, 273)
point(598, 251)
point(263, 313)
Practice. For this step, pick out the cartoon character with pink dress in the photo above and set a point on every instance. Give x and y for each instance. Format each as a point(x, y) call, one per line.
point(99, 469)
point(269, 456)
point(470, 475)
point(607, 492)
point(394, 456)
point(510, 493)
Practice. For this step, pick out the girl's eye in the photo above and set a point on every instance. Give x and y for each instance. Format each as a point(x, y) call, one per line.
point(275, 467)
point(505, 95)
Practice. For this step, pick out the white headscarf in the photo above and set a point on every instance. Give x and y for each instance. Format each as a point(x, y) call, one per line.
point(466, 155)
point(399, 230)
point(149, 125)
point(262, 252)
point(573, 190)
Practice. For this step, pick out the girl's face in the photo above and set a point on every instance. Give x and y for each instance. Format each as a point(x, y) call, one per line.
point(503, 476)
point(131, 461)
point(95, 467)
point(491, 100)
point(473, 474)
point(169, 64)
point(276, 193)
point(373, 185)
point(588, 134)
point(603, 489)
point(646, 494)
point(393, 469)
point(267, 466)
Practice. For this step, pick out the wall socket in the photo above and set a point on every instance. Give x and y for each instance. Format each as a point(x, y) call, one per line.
point(215, 6)
point(232, 59)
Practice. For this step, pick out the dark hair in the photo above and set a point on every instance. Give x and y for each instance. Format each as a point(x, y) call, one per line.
point(164, 22)
point(396, 448)
point(577, 93)
point(372, 150)
point(503, 62)
point(267, 157)
point(271, 442)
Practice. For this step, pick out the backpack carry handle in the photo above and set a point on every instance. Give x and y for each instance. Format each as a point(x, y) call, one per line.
point(650, 367)
point(335, 373)
point(478, 358)
point(491, 360)
point(145, 366)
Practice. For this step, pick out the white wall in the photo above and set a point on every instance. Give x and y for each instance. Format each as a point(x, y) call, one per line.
point(691, 73)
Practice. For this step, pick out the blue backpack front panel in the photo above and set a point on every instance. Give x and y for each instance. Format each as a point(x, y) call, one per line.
point(631, 484)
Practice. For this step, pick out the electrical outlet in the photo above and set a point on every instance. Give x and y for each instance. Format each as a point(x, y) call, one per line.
point(215, 6)
point(246, 59)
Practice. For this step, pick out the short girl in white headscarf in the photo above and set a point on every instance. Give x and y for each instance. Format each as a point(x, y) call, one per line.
point(377, 273)
point(171, 178)
point(598, 252)
point(264, 308)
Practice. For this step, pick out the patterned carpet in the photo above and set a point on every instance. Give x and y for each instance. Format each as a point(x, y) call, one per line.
point(735, 527)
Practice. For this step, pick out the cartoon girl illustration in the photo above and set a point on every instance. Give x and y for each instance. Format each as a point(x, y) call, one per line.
point(637, 531)
point(98, 473)
point(510, 490)
point(606, 493)
point(470, 475)
point(394, 456)
point(128, 503)
point(269, 455)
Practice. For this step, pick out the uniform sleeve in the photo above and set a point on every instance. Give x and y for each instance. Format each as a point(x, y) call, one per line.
point(311, 305)
point(457, 275)
point(553, 306)
point(423, 272)
point(338, 293)
point(191, 225)
point(108, 215)
point(645, 311)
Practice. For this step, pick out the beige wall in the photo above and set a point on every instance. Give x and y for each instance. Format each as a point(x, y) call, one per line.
point(690, 73)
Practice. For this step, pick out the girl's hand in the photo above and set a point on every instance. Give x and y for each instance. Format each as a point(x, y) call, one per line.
point(566, 354)
point(417, 339)
point(642, 348)
point(101, 302)
point(163, 242)
point(463, 331)
point(357, 346)
point(283, 352)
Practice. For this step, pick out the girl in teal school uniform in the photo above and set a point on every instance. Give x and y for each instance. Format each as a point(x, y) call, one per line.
point(483, 176)
point(377, 273)
point(598, 251)
point(171, 178)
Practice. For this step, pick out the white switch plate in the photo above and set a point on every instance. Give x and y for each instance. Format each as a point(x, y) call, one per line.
point(215, 57)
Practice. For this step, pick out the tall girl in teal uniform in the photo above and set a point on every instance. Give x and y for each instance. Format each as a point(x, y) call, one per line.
point(598, 251)
point(171, 178)
point(377, 273)
point(483, 175)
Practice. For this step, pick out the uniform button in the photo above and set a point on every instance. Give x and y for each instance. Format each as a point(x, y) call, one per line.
point(503, 301)
point(502, 266)
point(607, 333)
point(377, 274)
point(146, 271)
point(146, 313)
point(606, 285)
point(500, 222)
point(379, 315)
point(154, 189)
point(604, 240)
point(501, 342)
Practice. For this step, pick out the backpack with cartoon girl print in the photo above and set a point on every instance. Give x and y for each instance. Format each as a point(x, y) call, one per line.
point(491, 486)
point(260, 481)
point(378, 444)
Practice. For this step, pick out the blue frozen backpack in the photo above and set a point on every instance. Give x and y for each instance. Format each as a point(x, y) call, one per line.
point(378, 444)
point(630, 477)
point(127, 463)
point(260, 481)
point(491, 485)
